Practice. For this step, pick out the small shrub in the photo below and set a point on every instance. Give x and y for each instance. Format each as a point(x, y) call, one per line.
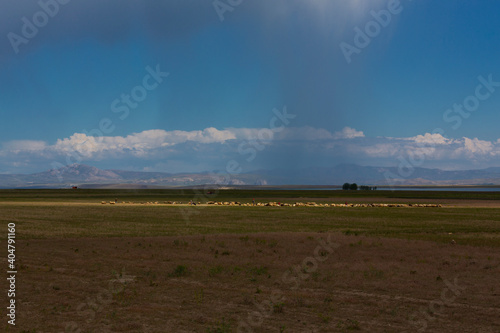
point(179, 271)
point(260, 241)
point(323, 253)
point(179, 242)
point(324, 317)
point(349, 324)
point(373, 273)
point(198, 296)
point(258, 270)
point(213, 271)
point(220, 327)
point(278, 307)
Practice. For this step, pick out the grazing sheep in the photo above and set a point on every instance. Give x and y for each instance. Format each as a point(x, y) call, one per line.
point(280, 204)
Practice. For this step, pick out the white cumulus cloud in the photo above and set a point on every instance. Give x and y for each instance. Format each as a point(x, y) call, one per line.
point(472, 147)
point(431, 139)
point(209, 146)
point(348, 133)
point(139, 142)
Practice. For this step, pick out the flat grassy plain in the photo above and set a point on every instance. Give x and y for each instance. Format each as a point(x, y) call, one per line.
point(87, 267)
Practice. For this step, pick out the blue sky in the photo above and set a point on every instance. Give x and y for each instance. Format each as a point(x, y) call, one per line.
point(385, 103)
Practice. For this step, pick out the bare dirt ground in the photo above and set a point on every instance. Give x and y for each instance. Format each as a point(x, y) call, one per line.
point(269, 282)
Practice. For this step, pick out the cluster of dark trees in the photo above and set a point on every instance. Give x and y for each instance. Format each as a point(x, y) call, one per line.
point(354, 187)
point(348, 186)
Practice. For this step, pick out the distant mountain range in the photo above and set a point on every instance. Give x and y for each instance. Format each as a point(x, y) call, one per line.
point(92, 177)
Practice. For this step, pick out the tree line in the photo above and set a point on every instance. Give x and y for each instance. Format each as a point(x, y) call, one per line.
point(354, 187)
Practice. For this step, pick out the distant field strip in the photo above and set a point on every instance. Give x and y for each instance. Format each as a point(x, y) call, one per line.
point(471, 226)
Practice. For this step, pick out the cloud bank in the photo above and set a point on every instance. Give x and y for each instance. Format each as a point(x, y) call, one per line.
point(210, 148)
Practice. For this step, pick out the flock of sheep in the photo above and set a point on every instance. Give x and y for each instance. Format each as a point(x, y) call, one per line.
point(278, 204)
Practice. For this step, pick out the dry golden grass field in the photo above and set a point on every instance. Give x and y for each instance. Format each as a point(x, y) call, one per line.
point(87, 267)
